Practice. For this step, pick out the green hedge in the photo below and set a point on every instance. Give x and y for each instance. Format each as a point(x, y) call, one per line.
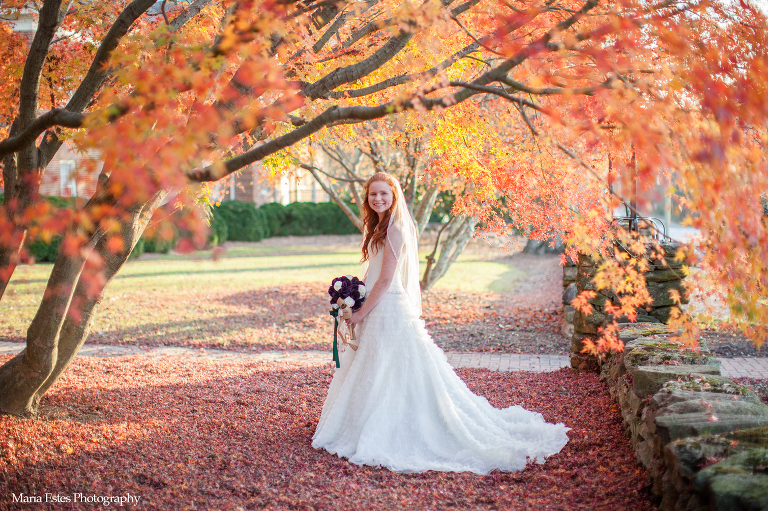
point(47, 251)
point(44, 252)
point(158, 245)
point(138, 249)
point(274, 213)
point(219, 231)
point(244, 221)
point(231, 220)
point(309, 218)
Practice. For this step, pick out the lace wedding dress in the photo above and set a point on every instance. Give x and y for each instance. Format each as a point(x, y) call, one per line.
point(397, 403)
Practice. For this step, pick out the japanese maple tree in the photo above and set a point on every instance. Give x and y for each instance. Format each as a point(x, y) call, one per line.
point(531, 97)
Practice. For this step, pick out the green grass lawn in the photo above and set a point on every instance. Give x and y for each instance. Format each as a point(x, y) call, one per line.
point(190, 299)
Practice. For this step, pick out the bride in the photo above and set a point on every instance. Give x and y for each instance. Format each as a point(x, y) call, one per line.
point(396, 402)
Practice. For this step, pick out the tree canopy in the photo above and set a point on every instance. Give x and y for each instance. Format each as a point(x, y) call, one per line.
point(541, 106)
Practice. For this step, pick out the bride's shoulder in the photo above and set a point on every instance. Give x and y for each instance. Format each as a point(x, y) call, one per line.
point(394, 234)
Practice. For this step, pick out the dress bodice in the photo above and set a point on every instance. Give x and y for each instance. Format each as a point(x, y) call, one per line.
point(375, 261)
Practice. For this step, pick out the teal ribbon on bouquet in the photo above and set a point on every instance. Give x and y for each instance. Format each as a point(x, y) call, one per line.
point(335, 314)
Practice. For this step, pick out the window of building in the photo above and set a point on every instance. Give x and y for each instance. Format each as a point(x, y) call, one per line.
point(68, 178)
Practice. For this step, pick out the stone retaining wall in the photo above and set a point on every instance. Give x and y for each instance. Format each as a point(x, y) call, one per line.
point(665, 275)
point(569, 293)
point(702, 437)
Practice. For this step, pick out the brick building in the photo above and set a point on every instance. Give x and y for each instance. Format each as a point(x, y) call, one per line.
point(251, 185)
point(70, 174)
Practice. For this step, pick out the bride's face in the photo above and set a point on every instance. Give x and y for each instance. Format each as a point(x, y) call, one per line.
point(380, 197)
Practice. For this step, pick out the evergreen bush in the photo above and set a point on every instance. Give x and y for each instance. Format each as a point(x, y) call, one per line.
point(274, 213)
point(309, 218)
point(44, 251)
point(244, 221)
point(334, 220)
point(138, 249)
point(219, 230)
point(158, 244)
point(300, 219)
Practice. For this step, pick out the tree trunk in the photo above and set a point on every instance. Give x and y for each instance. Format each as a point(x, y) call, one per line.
point(55, 336)
point(9, 256)
point(22, 376)
point(425, 207)
point(458, 236)
point(540, 247)
point(74, 333)
point(14, 231)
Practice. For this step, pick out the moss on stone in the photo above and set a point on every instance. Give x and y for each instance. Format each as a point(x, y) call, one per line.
point(707, 383)
point(757, 437)
point(631, 331)
point(665, 352)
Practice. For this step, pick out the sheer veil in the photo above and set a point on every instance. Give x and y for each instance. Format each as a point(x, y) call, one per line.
point(404, 243)
point(402, 238)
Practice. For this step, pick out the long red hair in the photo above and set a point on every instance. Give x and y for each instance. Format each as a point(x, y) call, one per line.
point(375, 230)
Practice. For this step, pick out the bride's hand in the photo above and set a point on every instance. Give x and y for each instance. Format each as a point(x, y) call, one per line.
point(356, 318)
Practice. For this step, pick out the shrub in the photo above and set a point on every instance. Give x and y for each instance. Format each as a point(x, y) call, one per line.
point(44, 251)
point(274, 213)
point(309, 218)
point(300, 219)
point(219, 230)
point(138, 249)
point(159, 243)
point(39, 248)
point(334, 220)
point(244, 221)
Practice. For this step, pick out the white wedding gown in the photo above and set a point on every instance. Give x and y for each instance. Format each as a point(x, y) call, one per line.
point(397, 403)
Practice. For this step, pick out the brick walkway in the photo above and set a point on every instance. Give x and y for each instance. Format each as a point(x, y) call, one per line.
point(509, 362)
point(731, 367)
point(744, 366)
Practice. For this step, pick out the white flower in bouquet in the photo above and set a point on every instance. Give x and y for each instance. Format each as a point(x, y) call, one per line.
point(337, 285)
point(349, 301)
point(361, 289)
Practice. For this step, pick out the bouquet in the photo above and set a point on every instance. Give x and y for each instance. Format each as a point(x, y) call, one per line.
point(347, 295)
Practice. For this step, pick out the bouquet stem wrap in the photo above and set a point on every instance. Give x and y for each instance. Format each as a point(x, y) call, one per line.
point(346, 311)
point(335, 314)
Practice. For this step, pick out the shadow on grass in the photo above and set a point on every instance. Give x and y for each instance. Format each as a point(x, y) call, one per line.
point(289, 317)
point(228, 270)
point(223, 438)
point(169, 273)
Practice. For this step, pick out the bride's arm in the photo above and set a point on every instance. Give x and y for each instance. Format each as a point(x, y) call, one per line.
point(388, 266)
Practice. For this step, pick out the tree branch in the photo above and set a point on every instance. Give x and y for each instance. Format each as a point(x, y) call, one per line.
point(336, 114)
point(334, 196)
point(189, 13)
point(55, 117)
point(50, 17)
point(401, 79)
point(345, 180)
point(348, 74)
point(498, 92)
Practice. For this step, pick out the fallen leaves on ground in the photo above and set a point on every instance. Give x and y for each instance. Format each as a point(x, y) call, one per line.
point(460, 321)
point(184, 434)
point(759, 386)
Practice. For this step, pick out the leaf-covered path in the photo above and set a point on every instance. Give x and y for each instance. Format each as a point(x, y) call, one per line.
point(185, 434)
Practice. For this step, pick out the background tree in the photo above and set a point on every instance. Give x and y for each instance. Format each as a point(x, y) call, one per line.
point(342, 164)
point(161, 95)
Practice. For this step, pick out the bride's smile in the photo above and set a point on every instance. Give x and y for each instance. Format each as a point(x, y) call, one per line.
point(380, 197)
